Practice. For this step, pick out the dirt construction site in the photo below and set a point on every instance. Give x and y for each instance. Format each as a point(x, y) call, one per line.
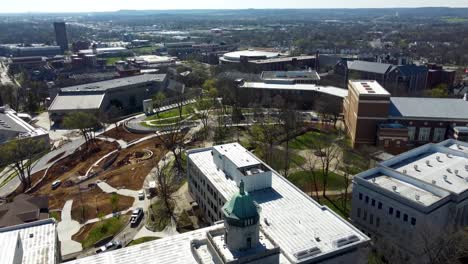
point(103, 161)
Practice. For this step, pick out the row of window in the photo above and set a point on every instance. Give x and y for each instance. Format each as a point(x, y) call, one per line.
point(379, 205)
point(425, 133)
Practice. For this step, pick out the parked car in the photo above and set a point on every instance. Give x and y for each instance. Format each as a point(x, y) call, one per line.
point(114, 244)
point(137, 215)
point(141, 195)
point(56, 184)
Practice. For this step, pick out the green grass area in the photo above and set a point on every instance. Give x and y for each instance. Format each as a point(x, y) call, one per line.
point(278, 157)
point(158, 216)
point(303, 180)
point(186, 110)
point(105, 228)
point(307, 140)
point(144, 50)
point(336, 204)
point(112, 60)
point(455, 19)
point(142, 240)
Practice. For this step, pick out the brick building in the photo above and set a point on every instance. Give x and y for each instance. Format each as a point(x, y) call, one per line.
point(373, 117)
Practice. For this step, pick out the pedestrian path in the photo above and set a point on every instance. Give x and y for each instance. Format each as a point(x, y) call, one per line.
point(66, 229)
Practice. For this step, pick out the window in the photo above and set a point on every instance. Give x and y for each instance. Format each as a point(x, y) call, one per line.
point(365, 215)
point(405, 217)
point(359, 212)
point(367, 199)
point(424, 133)
point(386, 143)
point(390, 210)
point(397, 214)
point(373, 202)
point(371, 219)
point(360, 196)
point(413, 221)
point(411, 133)
point(380, 205)
point(377, 221)
point(439, 134)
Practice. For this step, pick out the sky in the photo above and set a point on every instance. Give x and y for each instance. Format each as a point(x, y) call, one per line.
point(14, 6)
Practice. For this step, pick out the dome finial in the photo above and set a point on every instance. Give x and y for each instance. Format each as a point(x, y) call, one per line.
point(241, 187)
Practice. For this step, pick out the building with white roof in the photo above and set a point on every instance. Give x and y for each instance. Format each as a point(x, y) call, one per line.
point(274, 222)
point(13, 127)
point(31, 243)
point(417, 196)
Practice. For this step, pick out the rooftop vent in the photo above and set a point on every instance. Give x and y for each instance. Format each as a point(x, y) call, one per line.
point(394, 188)
point(417, 197)
point(466, 179)
point(428, 163)
point(266, 221)
point(405, 171)
point(459, 147)
point(416, 168)
point(449, 170)
point(445, 177)
point(438, 159)
point(449, 155)
point(434, 182)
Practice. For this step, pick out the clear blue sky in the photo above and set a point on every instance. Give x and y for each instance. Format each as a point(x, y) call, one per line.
point(112, 5)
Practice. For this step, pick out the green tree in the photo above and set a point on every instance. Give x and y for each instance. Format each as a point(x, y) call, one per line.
point(114, 200)
point(158, 100)
point(85, 122)
point(440, 91)
point(21, 155)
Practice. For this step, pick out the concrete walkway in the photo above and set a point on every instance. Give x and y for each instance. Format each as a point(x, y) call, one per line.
point(66, 229)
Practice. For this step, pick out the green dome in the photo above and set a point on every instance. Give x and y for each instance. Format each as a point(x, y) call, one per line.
point(241, 209)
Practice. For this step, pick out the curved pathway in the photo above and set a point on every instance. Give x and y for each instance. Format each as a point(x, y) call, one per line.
point(66, 229)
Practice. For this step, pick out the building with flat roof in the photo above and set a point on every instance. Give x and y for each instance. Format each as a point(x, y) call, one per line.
point(13, 127)
point(30, 243)
point(292, 90)
point(24, 209)
point(419, 196)
point(258, 60)
point(304, 230)
point(257, 216)
point(126, 94)
point(290, 77)
point(373, 117)
point(15, 50)
point(399, 80)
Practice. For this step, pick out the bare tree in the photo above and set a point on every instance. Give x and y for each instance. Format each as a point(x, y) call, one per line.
point(312, 169)
point(203, 112)
point(444, 247)
point(158, 100)
point(327, 152)
point(174, 142)
point(166, 186)
point(329, 109)
point(346, 184)
point(289, 123)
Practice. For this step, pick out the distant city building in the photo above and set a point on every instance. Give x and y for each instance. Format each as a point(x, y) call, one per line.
point(204, 52)
point(29, 51)
point(152, 61)
point(399, 80)
point(438, 75)
point(24, 209)
point(111, 51)
point(61, 35)
point(12, 127)
point(31, 243)
point(373, 117)
point(256, 61)
point(126, 94)
point(413, 200)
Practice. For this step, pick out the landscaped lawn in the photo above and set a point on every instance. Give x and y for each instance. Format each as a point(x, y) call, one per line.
point(337, 200)
point(186, 109)
point(303, 180)
point(278, 159)
point(307, 140)
point(105, 228)
point(142, 240)
point(113, 60)
point(143, 50)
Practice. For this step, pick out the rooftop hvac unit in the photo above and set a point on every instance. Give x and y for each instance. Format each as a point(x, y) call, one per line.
point(405, 171)
point(434, 182)
point(438, 159)
point(428, 163)
point(417, 197)
point(394, 188)
point(449, 170)
point(449, 155)
point(459, 147)
point(456, 172)
point(416, 167)
point(445, 177)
